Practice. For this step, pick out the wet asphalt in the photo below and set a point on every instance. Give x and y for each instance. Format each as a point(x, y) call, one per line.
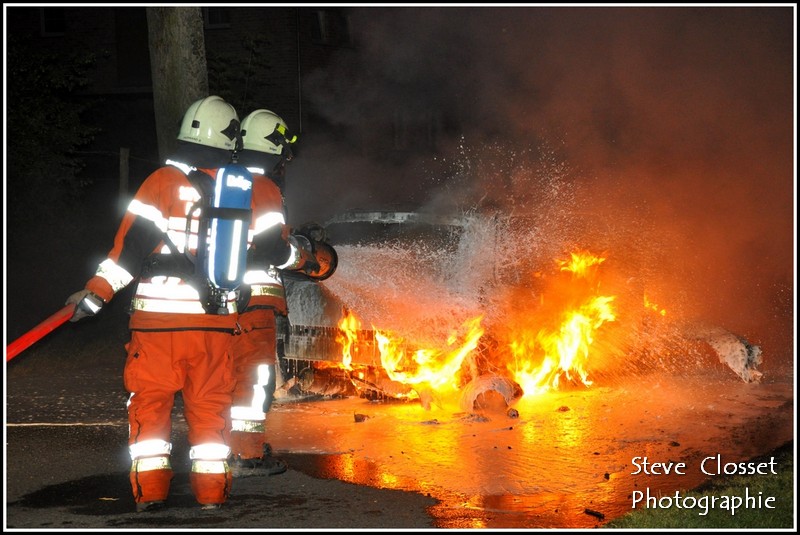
point(66, 462)
point(70, 478)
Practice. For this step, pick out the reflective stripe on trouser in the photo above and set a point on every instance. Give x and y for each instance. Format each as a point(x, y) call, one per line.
point(254, 357)
point(197, 363)
point(211, 476)
point(150, 478)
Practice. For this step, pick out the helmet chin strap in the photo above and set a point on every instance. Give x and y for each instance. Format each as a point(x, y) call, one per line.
point(278, 172)
point(280, 137)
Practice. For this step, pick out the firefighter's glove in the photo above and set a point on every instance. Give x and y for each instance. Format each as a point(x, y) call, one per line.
point(86, 304)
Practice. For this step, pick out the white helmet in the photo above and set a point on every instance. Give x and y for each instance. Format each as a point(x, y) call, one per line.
point(211, 122)
point(264, 131)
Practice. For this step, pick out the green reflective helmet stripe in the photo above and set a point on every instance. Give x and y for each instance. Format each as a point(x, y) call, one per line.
point(282, 129)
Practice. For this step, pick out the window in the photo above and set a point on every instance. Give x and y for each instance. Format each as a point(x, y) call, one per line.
point(53, 21)
point(217, 17)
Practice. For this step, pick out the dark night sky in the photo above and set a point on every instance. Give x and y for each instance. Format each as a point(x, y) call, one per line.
point(679, 117)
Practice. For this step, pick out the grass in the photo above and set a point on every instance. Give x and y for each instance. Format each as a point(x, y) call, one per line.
point(780, 486)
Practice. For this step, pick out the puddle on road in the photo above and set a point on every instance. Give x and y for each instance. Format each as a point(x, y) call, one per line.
point(565, 462)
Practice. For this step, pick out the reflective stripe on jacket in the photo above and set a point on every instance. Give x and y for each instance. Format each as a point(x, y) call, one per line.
point(266, 289)
point(266, 284)
point(161, 204)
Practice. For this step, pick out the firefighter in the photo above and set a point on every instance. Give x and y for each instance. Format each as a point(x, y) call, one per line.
point(176, 343)
point(266, 151)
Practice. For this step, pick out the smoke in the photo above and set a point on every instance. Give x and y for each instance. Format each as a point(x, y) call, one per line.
point(663, 135)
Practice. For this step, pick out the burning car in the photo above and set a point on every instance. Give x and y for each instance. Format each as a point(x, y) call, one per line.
point(475, 308)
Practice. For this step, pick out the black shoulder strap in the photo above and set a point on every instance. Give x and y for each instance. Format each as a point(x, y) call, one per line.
point(184, 264)
point(203, 183)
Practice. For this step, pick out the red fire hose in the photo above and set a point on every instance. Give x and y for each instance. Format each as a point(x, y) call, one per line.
point(37, 333)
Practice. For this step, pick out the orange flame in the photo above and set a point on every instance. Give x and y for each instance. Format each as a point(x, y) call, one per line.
point(540, 360)
point(565, 352)
point(437, 368)
point(580, 263)
point(653, 306)
point(349, 326)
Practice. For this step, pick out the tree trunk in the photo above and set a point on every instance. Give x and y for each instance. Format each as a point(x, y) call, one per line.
point(178, 63)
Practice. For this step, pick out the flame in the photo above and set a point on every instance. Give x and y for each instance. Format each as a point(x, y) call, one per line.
point(540, 357)
point(540, 361)
point(348, 326)
point(653, 306)
point(437, 368)
point(580, 262)
point(565, 351)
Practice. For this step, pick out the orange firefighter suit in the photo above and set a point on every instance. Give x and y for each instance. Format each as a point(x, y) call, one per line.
point(176, 345)
point(255, 348)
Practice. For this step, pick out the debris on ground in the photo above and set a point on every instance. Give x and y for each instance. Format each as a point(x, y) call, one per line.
point(734, 351)
point(490, 392)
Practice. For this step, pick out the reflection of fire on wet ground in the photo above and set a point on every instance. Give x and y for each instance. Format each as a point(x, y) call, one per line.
point(563, 453)
point(546, 341)
point(515, 393)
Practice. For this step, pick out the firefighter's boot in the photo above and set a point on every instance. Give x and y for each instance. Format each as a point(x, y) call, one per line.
point(150, 479)
point(211, 482)
point(255, 457)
